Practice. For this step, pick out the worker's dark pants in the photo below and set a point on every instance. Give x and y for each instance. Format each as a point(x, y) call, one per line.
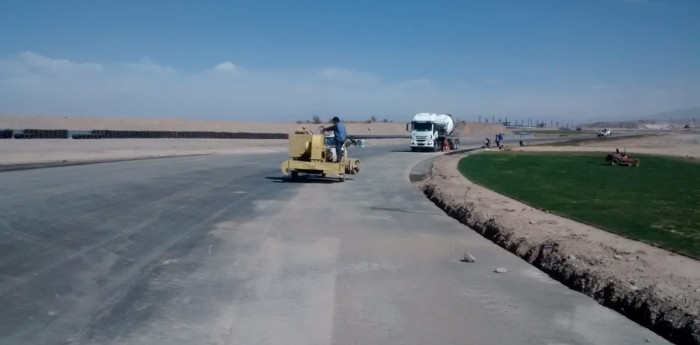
point(339, 150)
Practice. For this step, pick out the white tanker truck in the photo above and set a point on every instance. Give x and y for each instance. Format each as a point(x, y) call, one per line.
point(429, 131)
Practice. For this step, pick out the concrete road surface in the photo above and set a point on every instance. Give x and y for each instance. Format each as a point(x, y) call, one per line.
point(220, 250)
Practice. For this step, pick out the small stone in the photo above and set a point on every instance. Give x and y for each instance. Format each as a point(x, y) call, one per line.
point(500, 270)
point(531, 222)
point(546, 211)
point(697, 290)
point(468, 257)
point(647, 340)
point(634, 288)
point(618, 257)
point(571, 257)
point(52, 313)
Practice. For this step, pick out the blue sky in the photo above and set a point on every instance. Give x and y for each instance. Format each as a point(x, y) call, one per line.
point(293, 59)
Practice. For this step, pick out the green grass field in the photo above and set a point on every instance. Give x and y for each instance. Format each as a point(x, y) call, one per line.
point(658, 202)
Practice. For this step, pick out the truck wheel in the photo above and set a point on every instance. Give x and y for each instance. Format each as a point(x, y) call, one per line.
point(342, 178)
point(295, 175)
point(435, 146)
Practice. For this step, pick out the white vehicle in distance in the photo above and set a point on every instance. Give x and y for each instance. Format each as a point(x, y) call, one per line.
point(604, 132)
point(429, 131)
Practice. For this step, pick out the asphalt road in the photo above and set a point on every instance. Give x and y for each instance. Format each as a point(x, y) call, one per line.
point(221, 250)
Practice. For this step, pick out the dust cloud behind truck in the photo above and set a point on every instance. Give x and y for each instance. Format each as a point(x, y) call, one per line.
point(429, 131)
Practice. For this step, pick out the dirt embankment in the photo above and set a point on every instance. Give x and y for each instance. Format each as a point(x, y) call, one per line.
point(464, 129)
point(476, 130)
point(162, 124)
point(67, 150)
point(62, 150)
point(654, 287)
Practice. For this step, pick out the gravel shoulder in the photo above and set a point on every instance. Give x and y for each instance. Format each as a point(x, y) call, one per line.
point(654, 287)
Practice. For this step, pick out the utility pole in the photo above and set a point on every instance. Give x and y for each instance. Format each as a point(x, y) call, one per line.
point(479, 118)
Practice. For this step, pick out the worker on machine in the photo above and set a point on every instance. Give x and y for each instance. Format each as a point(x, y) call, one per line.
point(338, 129)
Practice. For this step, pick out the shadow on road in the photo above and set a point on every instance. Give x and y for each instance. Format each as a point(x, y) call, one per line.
point(305, 179)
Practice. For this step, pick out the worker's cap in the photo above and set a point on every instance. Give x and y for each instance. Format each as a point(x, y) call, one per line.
point(335, 119)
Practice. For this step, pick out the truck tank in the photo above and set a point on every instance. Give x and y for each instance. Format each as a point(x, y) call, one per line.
point(445, 124)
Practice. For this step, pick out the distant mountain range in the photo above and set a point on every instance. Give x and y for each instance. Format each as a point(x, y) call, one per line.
point(668, 119)
point(682, 115)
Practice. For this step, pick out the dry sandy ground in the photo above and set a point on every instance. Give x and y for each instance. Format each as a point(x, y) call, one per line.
point(58, 150)
point(676, 144)
point(162, 124)
point(652, 286)
point(469, 129)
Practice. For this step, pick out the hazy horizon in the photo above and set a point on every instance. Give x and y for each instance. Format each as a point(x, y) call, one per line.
point(273, 61)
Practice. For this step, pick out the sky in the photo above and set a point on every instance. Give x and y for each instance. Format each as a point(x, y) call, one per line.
point(290, 60)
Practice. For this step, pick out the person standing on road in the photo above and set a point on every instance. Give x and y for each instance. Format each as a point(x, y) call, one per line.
point(338, 129)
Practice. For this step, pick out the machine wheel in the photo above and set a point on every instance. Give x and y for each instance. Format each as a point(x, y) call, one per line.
point(636, 164)
point(435, 146)
point(323, 175)
point(342, 178)
point(615, 161)
point(295, 175)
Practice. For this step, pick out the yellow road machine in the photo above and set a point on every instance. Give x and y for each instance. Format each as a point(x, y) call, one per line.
point(312, 154)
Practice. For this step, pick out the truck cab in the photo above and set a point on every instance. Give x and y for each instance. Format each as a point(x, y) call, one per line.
point(423, 132)
point(429, 131)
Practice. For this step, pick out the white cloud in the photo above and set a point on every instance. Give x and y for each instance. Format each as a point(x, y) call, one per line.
point(146, 65)
point(32, 83)
point(32, 63)
point(345, 75)
point(225, 67)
